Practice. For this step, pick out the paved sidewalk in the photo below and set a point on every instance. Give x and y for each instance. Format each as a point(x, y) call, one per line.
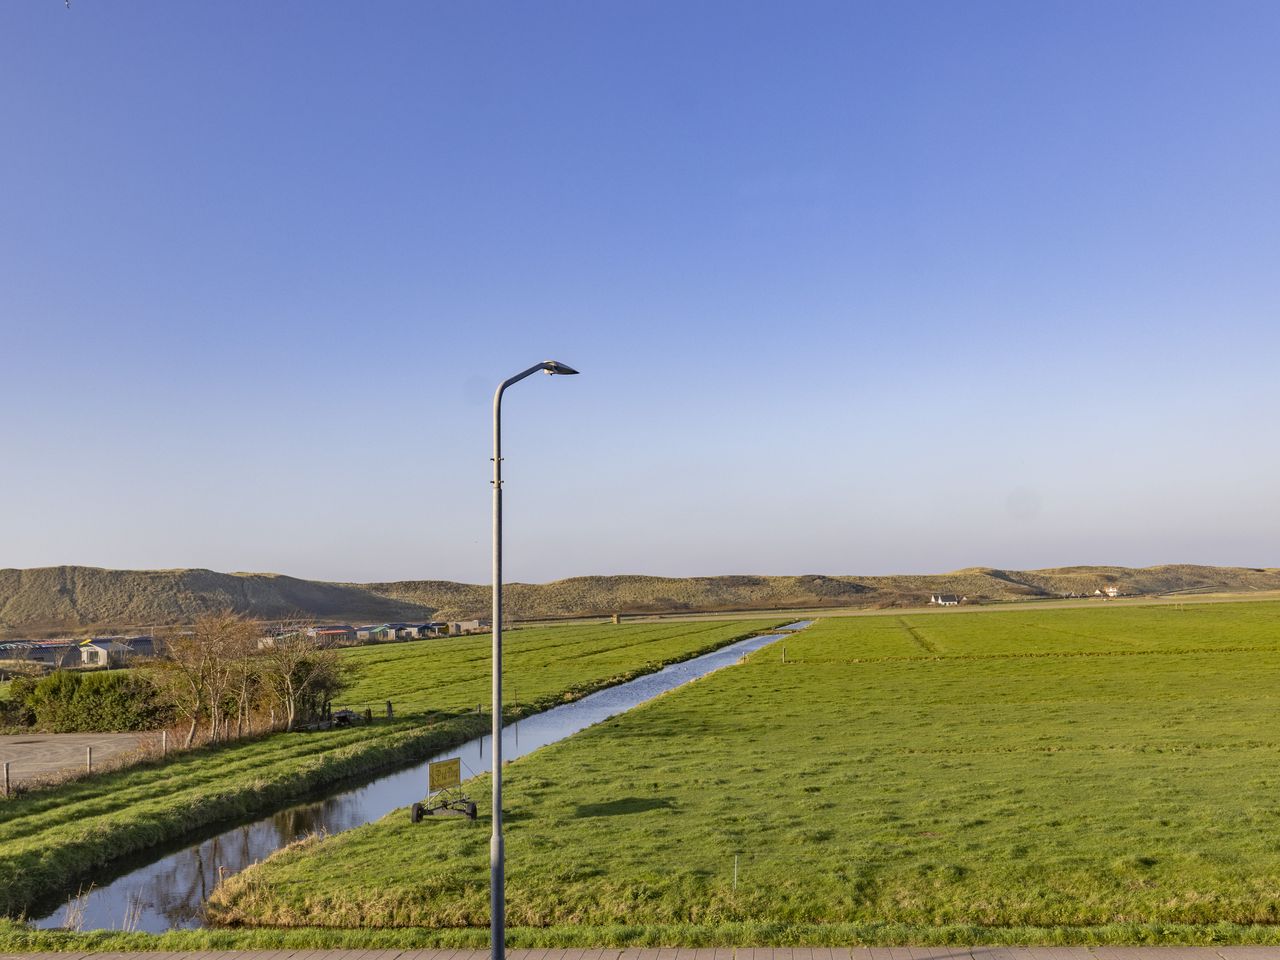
point(708, 953)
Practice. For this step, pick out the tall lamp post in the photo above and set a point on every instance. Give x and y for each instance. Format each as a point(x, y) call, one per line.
point(497, 882)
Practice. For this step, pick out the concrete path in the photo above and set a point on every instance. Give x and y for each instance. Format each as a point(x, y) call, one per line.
point(708, 953)
point(41, 754)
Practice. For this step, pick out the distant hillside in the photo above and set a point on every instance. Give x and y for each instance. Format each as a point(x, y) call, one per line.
point(637, 594)
point(53, 599)
point(56, 599)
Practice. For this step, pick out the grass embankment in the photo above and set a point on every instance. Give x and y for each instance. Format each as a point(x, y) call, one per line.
point(50, 838)
point(1103, 775)
point(15, 937)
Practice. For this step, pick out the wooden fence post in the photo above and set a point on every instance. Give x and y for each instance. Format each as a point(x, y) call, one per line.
point(88, 759)
point(6, 778)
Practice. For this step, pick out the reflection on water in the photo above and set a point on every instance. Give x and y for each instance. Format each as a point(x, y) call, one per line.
point(169, 891)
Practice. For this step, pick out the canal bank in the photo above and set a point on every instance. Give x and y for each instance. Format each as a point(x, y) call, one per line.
point(167, 892)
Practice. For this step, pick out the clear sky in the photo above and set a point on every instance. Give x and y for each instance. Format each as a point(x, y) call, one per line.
point(854, 287)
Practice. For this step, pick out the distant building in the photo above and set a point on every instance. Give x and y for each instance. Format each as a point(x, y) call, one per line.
point(143, 646)
point(382, 633)
point(405, 631)
point(1111, 591)
point(420, 631)
point(460, 627)
point(389, 632)
point(333, 634)
point(51, 653)
point(947, 599)
point(105, 652)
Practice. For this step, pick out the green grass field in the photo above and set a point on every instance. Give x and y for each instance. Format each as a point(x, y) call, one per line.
point(1068, 774)
point(541, 666)
point(49, 838)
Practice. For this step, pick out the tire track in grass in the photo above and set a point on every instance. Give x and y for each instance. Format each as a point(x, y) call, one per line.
point(918, 637)
point(1052, 654)
point(1076, 635)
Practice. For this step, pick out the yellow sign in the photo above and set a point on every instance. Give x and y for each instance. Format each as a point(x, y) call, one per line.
point(444, 774)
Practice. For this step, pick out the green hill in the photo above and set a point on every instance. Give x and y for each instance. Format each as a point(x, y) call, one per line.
point(53, 599)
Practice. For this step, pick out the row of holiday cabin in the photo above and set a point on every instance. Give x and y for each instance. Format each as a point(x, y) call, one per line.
point(117, 651)
point(345, 635)
point(954, 599)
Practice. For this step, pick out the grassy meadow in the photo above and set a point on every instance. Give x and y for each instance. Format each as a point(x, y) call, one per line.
point(51, 838)
point(542, 666)
point(1098, 774)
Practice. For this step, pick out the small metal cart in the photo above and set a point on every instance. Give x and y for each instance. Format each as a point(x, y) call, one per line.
point(444, 793)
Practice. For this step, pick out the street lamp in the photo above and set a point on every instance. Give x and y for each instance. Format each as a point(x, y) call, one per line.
point(497, 888)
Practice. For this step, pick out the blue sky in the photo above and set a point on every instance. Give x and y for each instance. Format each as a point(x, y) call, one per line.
point(854, 287)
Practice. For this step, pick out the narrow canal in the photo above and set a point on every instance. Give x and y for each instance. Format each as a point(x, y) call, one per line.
point(167, 891)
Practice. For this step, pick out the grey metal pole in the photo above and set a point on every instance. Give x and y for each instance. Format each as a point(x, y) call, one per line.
point(497, 865)
point(497, 858)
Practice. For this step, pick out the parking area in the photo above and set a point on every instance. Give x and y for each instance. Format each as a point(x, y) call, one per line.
point(35, 755)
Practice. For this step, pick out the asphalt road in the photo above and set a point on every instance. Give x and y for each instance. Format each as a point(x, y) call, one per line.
point(40, 754)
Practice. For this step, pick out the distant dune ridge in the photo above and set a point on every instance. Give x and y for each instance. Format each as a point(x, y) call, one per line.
point(51, 599)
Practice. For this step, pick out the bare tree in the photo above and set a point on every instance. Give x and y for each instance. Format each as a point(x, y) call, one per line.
point(301, 672)
point(201, 665)
point(186, 668)
point(246, 690)
point(233, 640)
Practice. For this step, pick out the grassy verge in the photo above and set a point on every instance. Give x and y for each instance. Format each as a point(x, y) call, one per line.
point(16, 938)
point(1110, 770)
point(50, 839)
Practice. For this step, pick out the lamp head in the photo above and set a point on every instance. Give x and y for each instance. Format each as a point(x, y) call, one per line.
point(552, 367)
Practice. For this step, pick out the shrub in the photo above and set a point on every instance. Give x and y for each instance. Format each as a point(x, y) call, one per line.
point(15, 711)
point(70, 702)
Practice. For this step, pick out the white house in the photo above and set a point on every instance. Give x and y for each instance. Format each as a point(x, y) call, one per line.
point(947, 599)
point(105, 652)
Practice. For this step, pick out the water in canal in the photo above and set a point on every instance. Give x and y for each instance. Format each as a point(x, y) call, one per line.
point(168, 891)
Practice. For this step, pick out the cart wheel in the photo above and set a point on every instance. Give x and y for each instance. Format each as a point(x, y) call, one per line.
point(415, 813)
point(471, 810)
